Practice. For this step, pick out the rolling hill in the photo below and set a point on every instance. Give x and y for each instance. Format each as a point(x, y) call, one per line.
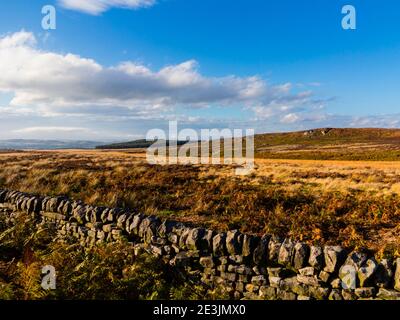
point(317, 144)
point(331, 144)
point(137, 144)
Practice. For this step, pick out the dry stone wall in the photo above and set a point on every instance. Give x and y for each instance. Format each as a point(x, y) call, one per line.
point(241, 265)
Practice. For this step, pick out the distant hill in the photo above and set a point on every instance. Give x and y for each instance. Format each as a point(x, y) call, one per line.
point(46, 144)
point(331, 135)
point(137, 144)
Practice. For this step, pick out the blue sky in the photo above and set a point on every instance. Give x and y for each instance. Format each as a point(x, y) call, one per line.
point(114, 73)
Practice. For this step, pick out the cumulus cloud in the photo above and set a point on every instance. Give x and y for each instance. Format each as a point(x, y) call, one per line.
point(52, 84)
point(96, 7)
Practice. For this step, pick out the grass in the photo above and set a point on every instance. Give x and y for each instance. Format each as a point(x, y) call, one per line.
point(356, 204)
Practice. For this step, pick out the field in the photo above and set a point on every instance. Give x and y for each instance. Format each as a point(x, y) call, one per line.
point(331, 144)
point(353, 203)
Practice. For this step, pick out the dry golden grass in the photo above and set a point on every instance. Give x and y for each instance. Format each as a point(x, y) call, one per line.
point(356, 204)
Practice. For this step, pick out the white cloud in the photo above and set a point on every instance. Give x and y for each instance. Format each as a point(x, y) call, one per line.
point(96, 7)
point(58, 84)
point(17, 39)
point(387, 121)
point(31, 130)
point(290, 118)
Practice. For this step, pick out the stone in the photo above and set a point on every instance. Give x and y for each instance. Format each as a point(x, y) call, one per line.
point(349, 295)
point(250, 296)
point(293, 285)
point(356, 259)
point(134, 227)
point(334, 256)
point(267, 293)
point(173, 238)
point(335, 295)
point(386, 294)
point(252, 288)
point(219, 248)
point(148, 223)
point(112, 215)
point(108, 227)
point(117, 234)
point(275, 282)
point(219, 280)
point(207, 262)
point(249, 245)
point(175, 248)
point(165, 228)
point(303, 298)
point(103, 215)
point(366, 272)
point(258, 270)
point(319, 293)
point(53, 204)
point(244, 278)
point(365, 292)
point(286, 296)
point(237, 259)
point(92, 233)
point(208, 240)
point(150, 234)
point(232, 268)
point(232, 243)
point(178, 228)
point(274, 247)
point(210, 271)
point(194, 254)
point(120, 221)
point(223, 260)
point(127, 224)
point(384, 274)
point(336, 283)
point(310, 281)
point(230, 276)
point(287, 284)
point(324, 276)
point(286, 252)
point(239, 286)
point(301, 255)
point(316, 259)
point(222, 268)
point(157, 251)
point(274, 272)
point(260, 255)
point(259, 280)
point(194, 240)
point(348, 276)
point(30, 206)
point(168, 250)
point(242, 269)
point(308, 271)
point(101, 235)
point(183, 237)
point(397, 275)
